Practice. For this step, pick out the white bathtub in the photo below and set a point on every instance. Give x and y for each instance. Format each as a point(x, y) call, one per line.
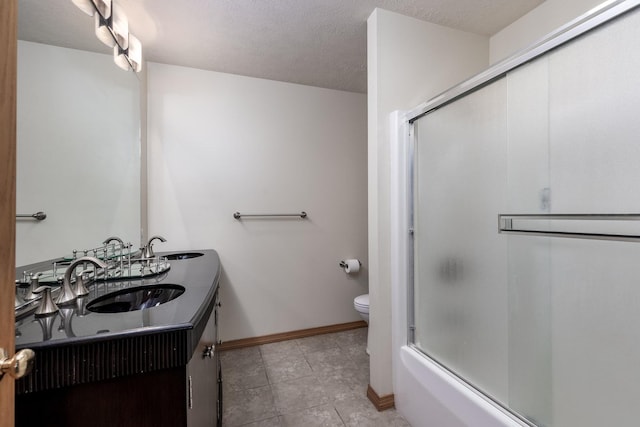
point(428, 396)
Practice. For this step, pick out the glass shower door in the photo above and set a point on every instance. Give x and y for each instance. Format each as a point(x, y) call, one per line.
point(460, 276)
point(546, 326)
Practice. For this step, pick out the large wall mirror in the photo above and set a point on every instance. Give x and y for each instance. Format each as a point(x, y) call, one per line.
point(78, 136)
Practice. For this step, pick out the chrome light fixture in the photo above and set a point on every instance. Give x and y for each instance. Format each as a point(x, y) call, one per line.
point(112, 29)
point(103, 30)
point(103, 7)
point(131, 57)
point(120, 58)
point(120, 27)
point(135, 53)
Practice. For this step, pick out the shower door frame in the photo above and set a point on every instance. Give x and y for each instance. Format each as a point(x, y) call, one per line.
point(591, 20)
point(596, 17)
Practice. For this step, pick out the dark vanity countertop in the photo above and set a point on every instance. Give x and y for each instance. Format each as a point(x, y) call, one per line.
point(96, 346)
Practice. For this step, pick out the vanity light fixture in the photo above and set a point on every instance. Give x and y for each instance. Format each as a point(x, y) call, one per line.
point(135, 53)
point(103, 31)
point(120, 58)
point(131, 57)
point(112, 29)
point(120, 27)
point(91, 6)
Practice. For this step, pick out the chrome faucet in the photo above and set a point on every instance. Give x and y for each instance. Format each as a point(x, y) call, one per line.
point(113, 238)
point(67, 295)
point(147, 250)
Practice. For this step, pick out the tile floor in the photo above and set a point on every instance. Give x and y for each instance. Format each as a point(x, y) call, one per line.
point(315, 381)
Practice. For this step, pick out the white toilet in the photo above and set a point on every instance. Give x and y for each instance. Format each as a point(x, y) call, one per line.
point(361, 304)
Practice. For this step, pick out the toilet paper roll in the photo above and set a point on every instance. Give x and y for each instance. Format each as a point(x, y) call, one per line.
point(351, 266)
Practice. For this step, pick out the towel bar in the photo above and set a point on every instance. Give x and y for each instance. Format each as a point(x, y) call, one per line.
point(238, 215)
point(37, 216)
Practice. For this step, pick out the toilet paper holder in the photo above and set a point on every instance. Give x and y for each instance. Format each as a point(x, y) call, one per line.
point(343, 263)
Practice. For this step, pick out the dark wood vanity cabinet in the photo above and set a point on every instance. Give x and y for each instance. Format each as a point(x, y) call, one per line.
point(156, 366)
point(204, 382)
point(188, 395)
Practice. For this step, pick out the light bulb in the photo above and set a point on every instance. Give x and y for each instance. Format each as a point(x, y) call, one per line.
point(120, 58)
point(103, 7)
point(120, 27)
point(103, 32)
point(135, 53)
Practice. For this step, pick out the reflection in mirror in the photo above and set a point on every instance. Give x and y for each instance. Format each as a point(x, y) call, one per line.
point(78, 144)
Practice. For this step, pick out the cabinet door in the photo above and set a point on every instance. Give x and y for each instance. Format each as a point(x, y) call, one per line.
point(202, 380)
point(218, 366)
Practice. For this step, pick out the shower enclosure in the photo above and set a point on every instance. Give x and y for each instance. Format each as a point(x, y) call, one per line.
point(525, 206)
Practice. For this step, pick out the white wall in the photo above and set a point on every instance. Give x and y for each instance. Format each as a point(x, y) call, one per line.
point(221, 143)
point(78, 151)
point(536, 24)
point(409, 61)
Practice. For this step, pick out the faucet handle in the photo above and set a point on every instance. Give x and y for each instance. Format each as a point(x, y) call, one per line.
point(66, 294)
point(31, 292)
point(47, 306)
point(81, 288)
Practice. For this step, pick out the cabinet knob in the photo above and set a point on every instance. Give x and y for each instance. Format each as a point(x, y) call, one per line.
point(209, 350)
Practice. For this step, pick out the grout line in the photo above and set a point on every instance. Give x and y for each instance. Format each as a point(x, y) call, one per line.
point(339, 416)
point(280, 414)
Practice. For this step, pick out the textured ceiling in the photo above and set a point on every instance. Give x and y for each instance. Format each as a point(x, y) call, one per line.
point(312, 42)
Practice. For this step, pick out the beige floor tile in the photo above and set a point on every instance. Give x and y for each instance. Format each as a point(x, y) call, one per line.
point(244, 377)
point(287, 367)
point(271, 422)
point(357, 353)
point(240, 358)
point(314, 381)
point(319, 416)
point(359, 411)
point(352, 337)
point(276, 349)
point(245, 406)
point(299, 394)
point(328, 360)
point(317, 342)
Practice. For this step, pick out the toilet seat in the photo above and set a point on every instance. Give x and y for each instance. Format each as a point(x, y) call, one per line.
point(361, 303)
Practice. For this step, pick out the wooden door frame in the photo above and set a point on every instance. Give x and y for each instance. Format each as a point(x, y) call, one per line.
point(8, 75)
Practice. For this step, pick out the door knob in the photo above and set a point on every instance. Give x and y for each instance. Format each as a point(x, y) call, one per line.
point(17, 366)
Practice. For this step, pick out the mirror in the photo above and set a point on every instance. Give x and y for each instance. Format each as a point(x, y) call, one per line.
point(78, 136)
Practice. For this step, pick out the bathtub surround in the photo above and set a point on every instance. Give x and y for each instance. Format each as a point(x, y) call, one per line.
point(221, 143)
point(409, 61)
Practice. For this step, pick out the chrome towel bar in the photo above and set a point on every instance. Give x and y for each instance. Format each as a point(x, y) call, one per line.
point(37, 216)
point(506, 226)
point(238, 215)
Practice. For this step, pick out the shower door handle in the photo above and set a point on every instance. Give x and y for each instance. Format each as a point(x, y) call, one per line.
point(507, 225)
